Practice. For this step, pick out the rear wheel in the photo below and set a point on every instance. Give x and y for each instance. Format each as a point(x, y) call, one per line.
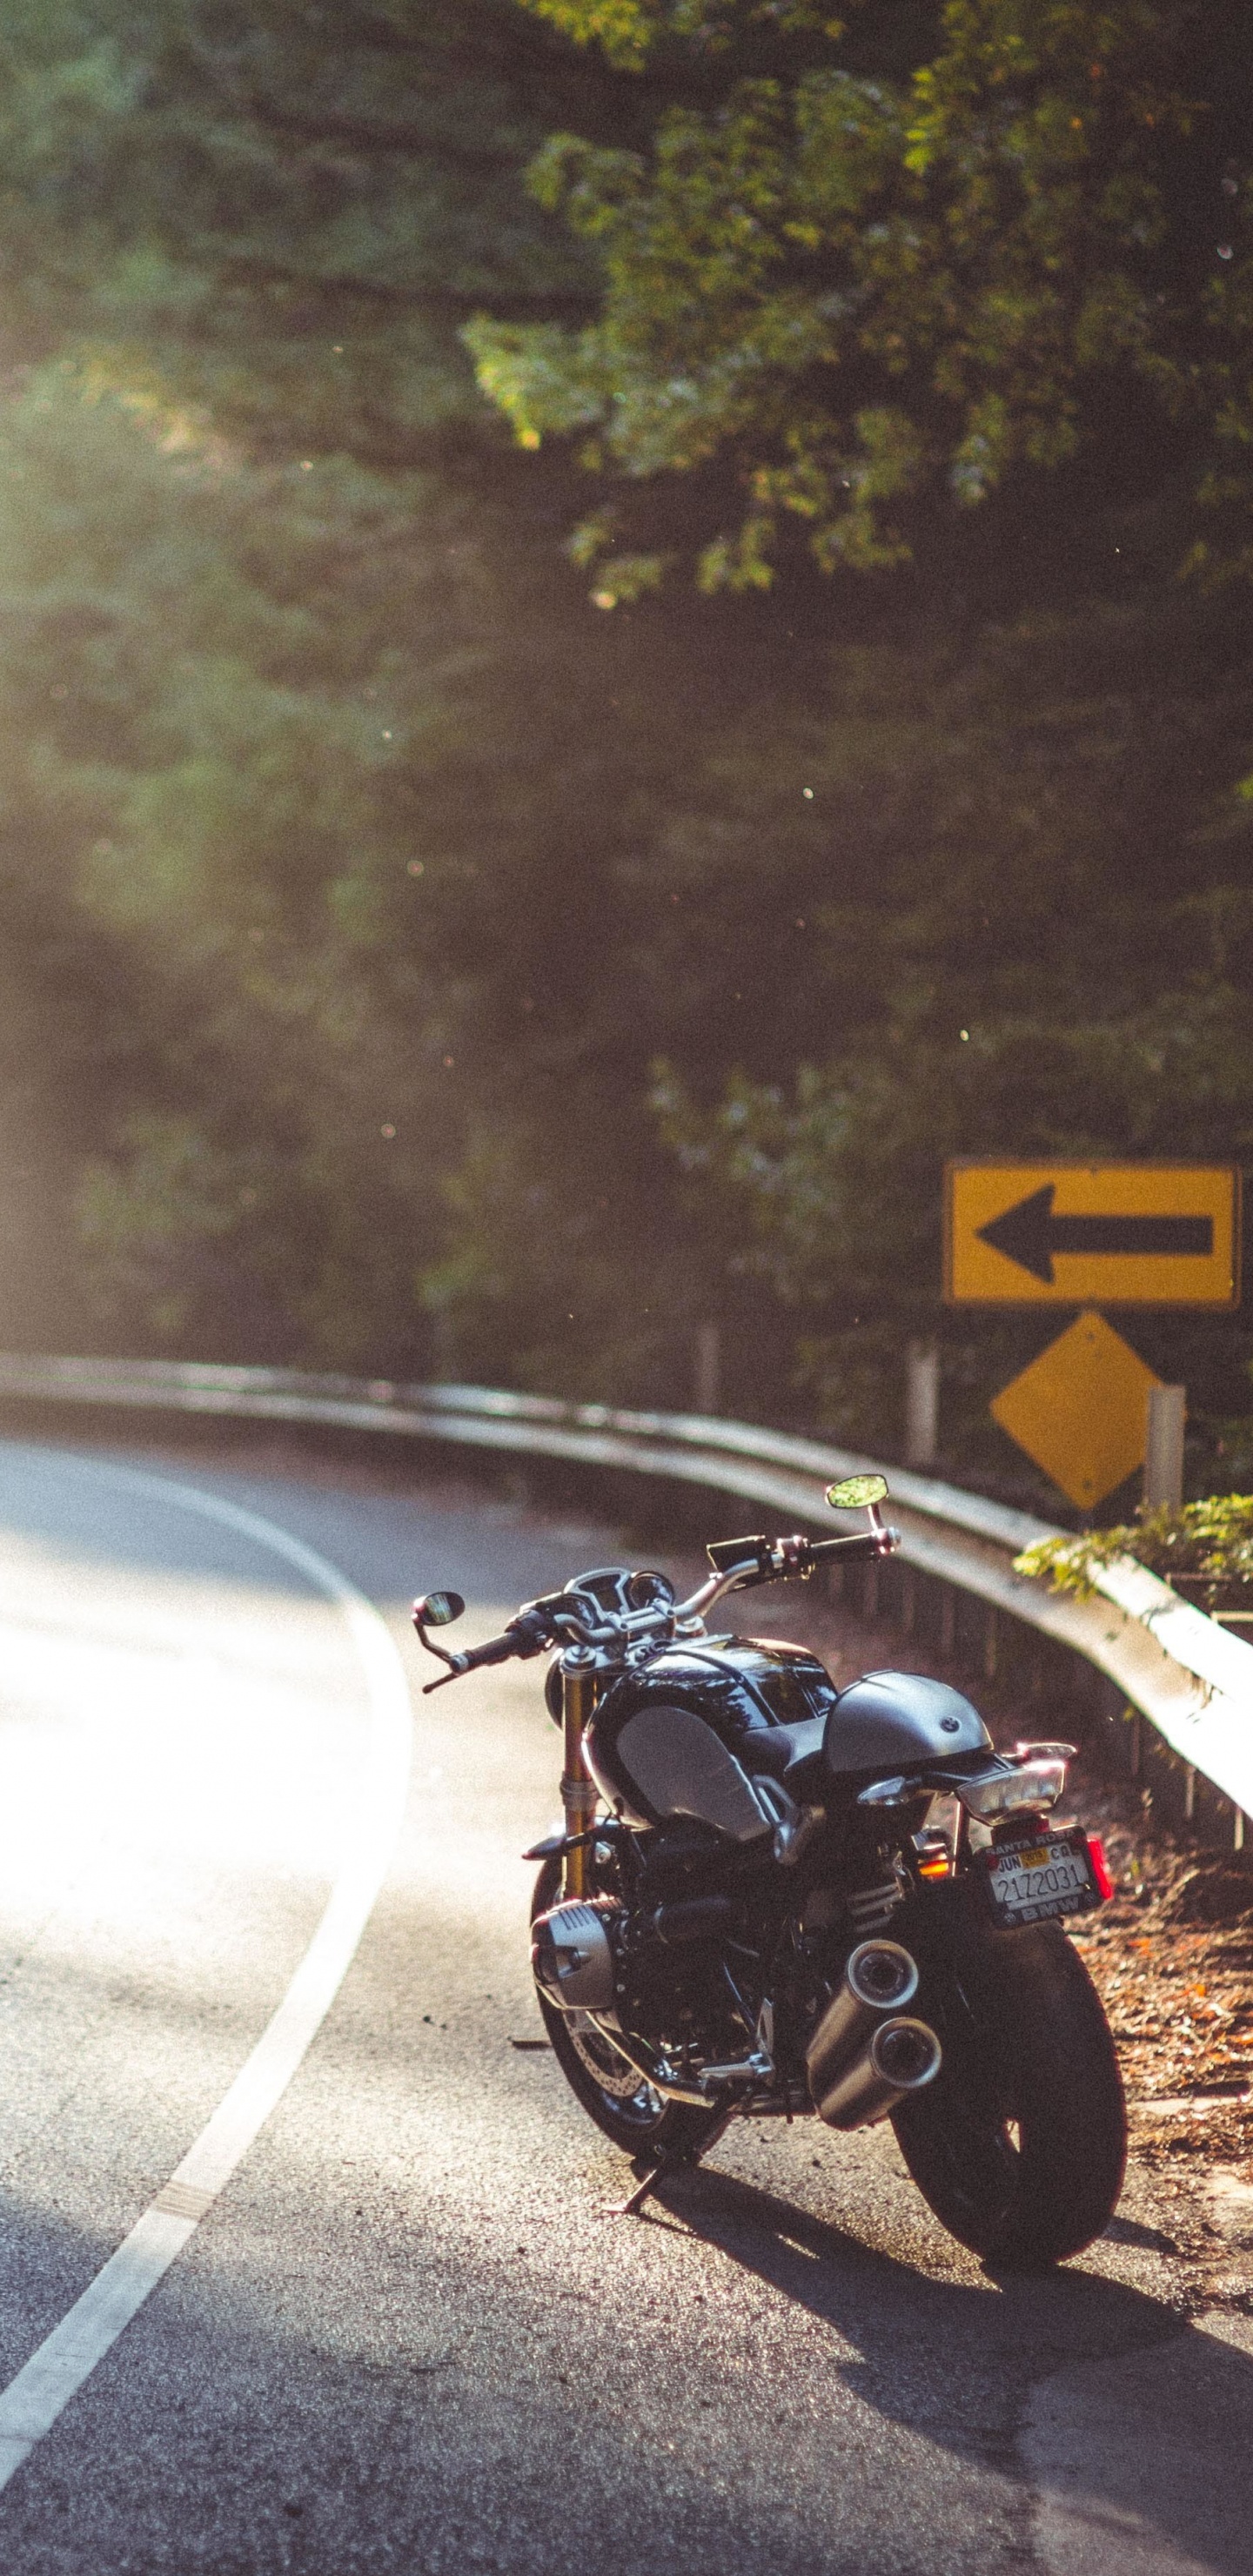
point(1019, 2145)
point(620, 2101)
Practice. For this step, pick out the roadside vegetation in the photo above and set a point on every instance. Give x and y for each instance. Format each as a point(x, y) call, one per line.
point(1203, 1549)
point(499, 873)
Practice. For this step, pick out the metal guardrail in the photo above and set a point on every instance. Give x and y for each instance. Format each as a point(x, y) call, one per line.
point(1178, 1668)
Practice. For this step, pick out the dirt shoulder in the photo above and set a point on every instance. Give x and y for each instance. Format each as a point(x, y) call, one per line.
point(1173, 1959)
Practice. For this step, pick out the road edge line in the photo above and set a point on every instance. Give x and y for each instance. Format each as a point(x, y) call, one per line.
point(44, 2386)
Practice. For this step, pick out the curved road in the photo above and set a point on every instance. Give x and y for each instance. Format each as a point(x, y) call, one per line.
point(403, 2335)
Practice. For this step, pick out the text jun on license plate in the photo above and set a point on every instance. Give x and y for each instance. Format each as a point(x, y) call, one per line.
point(1052, 1875)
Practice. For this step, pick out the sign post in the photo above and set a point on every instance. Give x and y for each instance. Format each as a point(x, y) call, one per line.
point(1163, 1454)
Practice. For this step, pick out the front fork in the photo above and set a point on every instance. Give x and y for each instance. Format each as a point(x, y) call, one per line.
point(579, 1793)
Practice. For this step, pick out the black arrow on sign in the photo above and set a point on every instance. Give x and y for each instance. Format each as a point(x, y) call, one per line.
point(1030, 1234)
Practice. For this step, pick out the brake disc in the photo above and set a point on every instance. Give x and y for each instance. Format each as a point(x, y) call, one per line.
point(603, 2063)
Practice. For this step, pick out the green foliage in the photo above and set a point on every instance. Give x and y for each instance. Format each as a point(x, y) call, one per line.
point(291, 796)
point(862, 289)
point(317, 824)
point(139, 1217)
point(199, 785)
point(1010, 934)
point(284, 211)
point(1210, 1542)
point(621, 26)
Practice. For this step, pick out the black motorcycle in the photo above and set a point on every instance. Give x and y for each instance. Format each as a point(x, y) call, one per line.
point(772, 1896)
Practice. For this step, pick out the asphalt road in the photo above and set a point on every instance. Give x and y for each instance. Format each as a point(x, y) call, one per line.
point(404, 2336)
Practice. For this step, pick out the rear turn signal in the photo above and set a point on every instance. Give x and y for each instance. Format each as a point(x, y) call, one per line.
point(934, 1855)
point(1100, 1865)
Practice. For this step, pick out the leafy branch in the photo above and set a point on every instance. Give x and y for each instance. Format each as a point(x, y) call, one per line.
point(1210, 1542)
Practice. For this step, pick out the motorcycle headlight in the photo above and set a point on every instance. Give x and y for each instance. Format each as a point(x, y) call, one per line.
point(1031, 1777)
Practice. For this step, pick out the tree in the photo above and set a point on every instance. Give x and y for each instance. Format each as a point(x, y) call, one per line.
point(200, 825)
point(861, 277)
point(324, 790)
point(1031, 946)
point(285, 210)
point(261, 651)
point(966, 295)
point(354, 870)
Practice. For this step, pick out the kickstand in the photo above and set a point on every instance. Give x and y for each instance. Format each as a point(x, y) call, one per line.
point(634, 2202)
point(633, 2205)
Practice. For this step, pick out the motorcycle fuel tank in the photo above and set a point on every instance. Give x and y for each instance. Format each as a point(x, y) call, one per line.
point(682, 1735)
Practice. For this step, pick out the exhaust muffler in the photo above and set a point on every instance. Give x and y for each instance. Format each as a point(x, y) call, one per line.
point(900, 2058)
point(867, 2053)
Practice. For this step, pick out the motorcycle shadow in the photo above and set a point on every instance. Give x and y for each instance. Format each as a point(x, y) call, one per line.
point(1128, 2428)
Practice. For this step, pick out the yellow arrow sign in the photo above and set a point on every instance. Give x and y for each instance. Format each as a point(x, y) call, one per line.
point(1081, 1410)
point(1114, 1234)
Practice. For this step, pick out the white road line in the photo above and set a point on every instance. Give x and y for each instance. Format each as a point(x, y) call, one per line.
point(31, 2403)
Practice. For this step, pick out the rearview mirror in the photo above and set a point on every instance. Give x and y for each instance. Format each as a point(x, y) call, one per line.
point(437, 1609)
point(857, 1493)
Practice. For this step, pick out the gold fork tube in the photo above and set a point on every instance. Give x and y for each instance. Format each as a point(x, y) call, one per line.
point(578, 1789)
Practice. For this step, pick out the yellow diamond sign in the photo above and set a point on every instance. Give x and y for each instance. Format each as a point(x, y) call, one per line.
point(1081, 1410)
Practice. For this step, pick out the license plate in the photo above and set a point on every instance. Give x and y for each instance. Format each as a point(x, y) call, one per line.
point(1027, 1882)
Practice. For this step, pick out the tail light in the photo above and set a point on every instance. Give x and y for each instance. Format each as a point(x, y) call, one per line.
point(1100, 1866)
point(1028, 1781)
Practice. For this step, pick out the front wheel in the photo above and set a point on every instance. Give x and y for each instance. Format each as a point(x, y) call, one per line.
point(628, 2109)
point(1019, 2145)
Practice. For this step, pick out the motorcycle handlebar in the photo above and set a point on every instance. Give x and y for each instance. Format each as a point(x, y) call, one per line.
point(494, 1650)
point(539, 1626)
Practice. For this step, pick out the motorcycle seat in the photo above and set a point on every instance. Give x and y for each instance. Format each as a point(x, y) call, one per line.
point(783, 1751)
point(884, 1721)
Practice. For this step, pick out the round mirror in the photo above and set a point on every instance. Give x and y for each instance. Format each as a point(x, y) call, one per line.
point(438, 1609)
point(857, 1493)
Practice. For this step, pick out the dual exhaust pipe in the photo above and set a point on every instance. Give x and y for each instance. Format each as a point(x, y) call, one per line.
point(867, 2053)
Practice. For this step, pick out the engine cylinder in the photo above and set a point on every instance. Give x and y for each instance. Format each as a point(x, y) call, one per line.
point(572, 1956)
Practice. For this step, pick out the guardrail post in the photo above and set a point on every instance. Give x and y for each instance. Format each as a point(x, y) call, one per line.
point(443, 1352)
point(707, 1367)
point(948, 1619)
point(991, 1643)
point(922, 1403)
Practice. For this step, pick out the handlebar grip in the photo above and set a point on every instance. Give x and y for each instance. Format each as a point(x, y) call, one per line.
point(494, 1650)
point(526, 1635)
point(863, 1543)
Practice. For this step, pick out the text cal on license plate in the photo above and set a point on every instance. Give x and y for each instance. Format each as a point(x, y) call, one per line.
point(1051, 1874)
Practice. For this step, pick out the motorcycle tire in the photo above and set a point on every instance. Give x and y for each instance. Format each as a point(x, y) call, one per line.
point(629, 2111)
point(1019, 2145)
